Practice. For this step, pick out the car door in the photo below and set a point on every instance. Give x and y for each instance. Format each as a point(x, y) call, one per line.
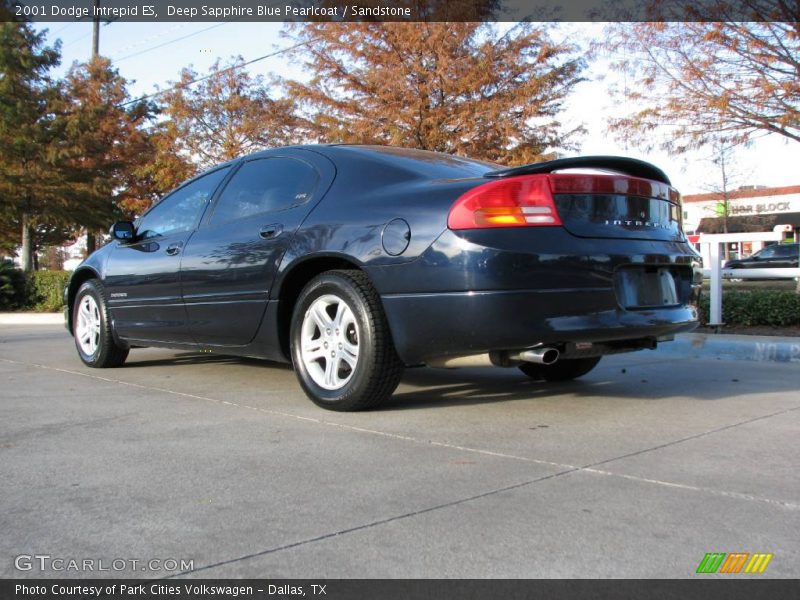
point(143, 275)
point(230, 262)
point(764, 259)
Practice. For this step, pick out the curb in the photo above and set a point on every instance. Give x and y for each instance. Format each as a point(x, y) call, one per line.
point(30, 318)
point(734, 347)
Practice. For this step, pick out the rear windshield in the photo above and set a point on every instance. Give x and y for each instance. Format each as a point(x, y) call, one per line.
point(434, 165)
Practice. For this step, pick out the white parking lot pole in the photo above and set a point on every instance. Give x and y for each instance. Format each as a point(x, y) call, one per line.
point(716, 285)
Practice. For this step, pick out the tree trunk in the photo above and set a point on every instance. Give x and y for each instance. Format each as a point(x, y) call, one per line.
point(723, 159)
point(91, 242)
point(26, 256)
point(725, 226)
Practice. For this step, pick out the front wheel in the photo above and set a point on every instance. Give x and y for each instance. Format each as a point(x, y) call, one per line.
point(341, 346)
point(94, 338)
point(562, 370)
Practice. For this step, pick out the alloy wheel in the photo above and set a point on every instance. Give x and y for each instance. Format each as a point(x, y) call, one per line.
point(87, 330)
point(329, 342)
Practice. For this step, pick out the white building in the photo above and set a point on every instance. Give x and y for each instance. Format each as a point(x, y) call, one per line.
point(750, 209)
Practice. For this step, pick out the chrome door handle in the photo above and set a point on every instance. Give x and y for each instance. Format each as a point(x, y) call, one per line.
point(269, 232)
point(174, 249)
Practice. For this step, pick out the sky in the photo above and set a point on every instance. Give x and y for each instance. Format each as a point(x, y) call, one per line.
point(152, 54)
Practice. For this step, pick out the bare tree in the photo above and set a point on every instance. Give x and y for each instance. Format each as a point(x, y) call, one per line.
point(693, 83)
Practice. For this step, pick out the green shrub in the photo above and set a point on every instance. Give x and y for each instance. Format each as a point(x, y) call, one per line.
point(12, 286)
point(757, 307)
point(44, 290)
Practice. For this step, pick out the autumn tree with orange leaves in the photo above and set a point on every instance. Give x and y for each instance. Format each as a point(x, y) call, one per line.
point(108, 142)
point(461, 88)
point(699, 82)
point(226, 114)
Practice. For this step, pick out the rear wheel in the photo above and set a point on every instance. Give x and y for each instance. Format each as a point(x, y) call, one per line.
point(341, 347)
point(94, 338)
point(562, 370)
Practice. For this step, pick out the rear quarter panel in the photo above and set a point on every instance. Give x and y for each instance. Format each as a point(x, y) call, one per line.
point(366, 195)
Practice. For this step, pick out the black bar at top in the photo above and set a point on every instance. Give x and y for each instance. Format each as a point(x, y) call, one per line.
point(400, 10)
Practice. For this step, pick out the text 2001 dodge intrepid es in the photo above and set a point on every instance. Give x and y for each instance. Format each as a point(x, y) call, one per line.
point(352, 262)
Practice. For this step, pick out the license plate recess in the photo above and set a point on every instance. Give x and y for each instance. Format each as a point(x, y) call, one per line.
point(646, 287)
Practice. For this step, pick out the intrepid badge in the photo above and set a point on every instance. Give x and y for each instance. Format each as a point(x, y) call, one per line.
point(636, 223)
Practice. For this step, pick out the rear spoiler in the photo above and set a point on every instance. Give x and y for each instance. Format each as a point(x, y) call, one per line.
point(626, 166)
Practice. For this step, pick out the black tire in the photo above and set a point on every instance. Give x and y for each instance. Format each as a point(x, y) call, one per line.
point(561, 370)
point(377, 370)
point(108, 352)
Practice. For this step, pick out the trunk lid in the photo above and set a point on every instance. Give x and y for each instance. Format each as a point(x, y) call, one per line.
point(613, 206)
point(609, 197)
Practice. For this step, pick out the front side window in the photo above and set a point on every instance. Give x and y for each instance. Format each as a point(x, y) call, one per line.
point(181, 210)
point(265, 185)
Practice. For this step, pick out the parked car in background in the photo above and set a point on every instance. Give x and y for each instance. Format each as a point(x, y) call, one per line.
point(353, 262)
point(775, 256)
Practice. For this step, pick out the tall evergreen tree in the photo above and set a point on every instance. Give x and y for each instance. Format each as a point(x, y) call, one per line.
point(30, 185)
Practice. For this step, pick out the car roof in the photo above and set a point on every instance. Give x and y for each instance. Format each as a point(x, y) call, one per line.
point(399, 162)
point(380, 152)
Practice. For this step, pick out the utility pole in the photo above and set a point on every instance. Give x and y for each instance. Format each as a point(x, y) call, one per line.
point(96, 30)
point(91, 241)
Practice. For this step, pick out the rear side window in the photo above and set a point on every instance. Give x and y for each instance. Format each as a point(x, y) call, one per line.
point(768, 252)
point(265, 185)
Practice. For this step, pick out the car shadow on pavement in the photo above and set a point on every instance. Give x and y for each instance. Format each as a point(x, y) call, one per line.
point(710, 382)
point(200, 358)
point(639, 381)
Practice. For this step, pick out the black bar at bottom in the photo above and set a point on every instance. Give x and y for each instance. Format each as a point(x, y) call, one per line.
point(702, 588)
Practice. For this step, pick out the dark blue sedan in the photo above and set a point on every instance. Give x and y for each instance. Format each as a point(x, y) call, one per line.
point(353, 262)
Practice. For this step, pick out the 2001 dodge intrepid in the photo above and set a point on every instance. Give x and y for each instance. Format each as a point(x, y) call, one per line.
point(352, 262)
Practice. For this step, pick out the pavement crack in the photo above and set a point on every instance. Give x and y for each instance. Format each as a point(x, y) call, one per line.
point(691, 437)
point(564, 468)
point(376, 523)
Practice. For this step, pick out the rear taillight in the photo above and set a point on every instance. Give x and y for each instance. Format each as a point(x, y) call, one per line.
point(578, 183)
point(514, 202)
point(527, 200)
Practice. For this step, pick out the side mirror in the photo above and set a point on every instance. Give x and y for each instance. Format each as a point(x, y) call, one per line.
point(123, 231)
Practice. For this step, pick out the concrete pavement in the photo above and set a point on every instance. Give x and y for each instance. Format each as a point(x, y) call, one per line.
point(637, 470)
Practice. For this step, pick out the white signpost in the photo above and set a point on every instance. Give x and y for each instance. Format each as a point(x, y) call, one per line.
point(717, 272)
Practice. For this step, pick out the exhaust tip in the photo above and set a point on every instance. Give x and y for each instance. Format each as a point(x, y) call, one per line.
point(539, 356)
point(549, 356)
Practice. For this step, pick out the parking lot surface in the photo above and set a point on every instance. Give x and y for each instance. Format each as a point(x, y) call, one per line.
point(637, 470)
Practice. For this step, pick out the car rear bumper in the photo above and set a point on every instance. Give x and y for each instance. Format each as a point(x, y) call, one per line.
point(427, 326)
point(507, 293)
